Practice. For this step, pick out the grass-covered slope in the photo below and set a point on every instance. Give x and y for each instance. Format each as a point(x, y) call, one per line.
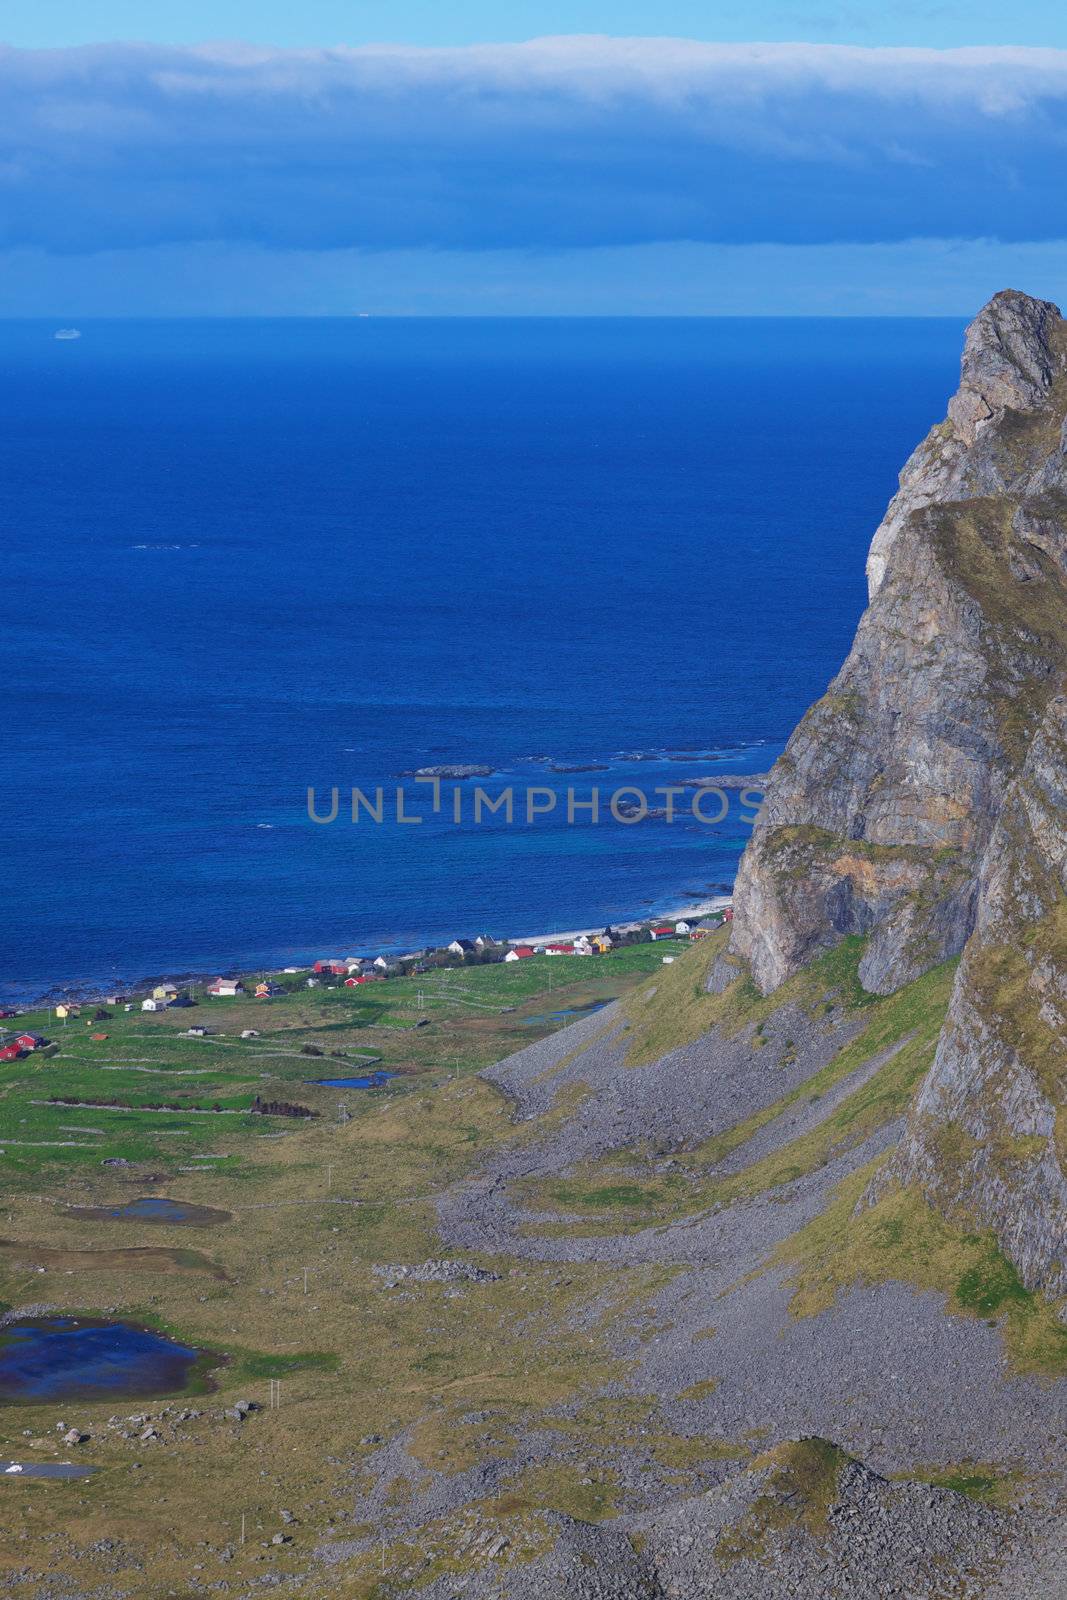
point(872, 1229)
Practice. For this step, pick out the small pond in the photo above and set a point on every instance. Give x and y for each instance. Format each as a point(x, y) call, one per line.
point(44, 1469)
point(545, 1019)
point(369, 1080)
point(152, 1208)
point(85, 1358)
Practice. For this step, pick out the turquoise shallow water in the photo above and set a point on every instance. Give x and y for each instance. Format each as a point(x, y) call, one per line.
point(245, 558)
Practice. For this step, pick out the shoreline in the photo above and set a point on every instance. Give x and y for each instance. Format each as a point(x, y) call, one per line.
point(685, 913)
point(88, 993)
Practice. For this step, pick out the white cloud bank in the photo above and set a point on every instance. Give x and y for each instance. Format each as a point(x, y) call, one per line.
point(558, 144)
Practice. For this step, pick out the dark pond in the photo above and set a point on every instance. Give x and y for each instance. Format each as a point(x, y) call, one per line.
point(44, 1469)
point(370, 1080)
point(544, 1019)
point(83, 1358)
point(152, 1208)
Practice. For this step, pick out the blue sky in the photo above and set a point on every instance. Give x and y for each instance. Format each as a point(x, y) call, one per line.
point(281, 172)
point(938, 23)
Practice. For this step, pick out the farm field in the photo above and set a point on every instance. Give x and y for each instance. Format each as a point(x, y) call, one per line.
point(275, 1271)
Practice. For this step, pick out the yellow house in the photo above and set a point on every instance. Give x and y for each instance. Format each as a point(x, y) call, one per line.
point(164, 991)
point(68, 1010)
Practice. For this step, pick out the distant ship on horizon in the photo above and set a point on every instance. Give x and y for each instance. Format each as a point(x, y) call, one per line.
point(68, 333)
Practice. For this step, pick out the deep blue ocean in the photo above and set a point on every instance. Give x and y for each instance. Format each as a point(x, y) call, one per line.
point(242, 558)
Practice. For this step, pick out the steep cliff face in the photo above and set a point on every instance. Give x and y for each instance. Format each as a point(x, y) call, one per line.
point(923, 801)
point(988, 1134)
point(880, 811)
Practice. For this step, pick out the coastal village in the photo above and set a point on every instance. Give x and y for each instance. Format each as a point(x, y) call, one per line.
point(352, 971)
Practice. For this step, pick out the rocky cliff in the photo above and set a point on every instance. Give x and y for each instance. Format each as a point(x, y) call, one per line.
point(987, 1138)
point(880, 810)
point(921, 801)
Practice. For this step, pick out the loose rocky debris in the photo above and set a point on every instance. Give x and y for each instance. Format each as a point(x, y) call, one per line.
point(804, 1520)
point(436, 1272)
point(27, 1313)
point(240, 1410)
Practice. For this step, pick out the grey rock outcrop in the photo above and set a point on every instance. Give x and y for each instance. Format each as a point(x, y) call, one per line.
point(922, 802)
point(879, 812)
point(803, 1520)
point(988, 1134)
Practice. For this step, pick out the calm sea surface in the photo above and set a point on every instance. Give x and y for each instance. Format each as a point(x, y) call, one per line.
point(242, 558)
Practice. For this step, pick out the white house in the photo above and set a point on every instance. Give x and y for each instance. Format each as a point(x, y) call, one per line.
point(380, 964)
point(227, 988)
point(152, 1004)
point(582, 947)
point(682, 927)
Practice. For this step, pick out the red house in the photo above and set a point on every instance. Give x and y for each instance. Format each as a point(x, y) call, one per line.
point(336, 969)
point(10, 1052)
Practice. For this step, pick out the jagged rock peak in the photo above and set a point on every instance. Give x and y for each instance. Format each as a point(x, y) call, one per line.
point(1011, 355)
point(877, 816)
point(922, 802)
point(1014, 352)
